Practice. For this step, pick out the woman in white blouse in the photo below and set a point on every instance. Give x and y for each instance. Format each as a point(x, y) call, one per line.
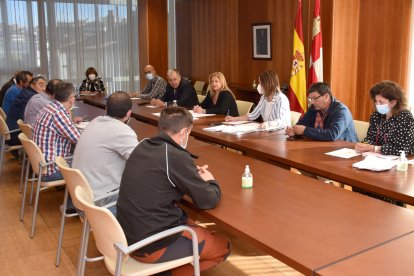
point(273, 105)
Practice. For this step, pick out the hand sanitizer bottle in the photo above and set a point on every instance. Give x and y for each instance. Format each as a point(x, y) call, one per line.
point(247, 178)
point(402, 164)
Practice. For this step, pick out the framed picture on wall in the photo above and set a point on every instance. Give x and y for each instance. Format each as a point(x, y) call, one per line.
point(262, 40)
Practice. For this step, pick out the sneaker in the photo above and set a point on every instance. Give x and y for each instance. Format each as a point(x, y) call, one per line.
point(69, 211)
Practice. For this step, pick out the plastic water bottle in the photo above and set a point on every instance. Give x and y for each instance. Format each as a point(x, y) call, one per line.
point(254, 85)
point(247, 178)
point(402, 164)
point(174, 103)
point(77, 93)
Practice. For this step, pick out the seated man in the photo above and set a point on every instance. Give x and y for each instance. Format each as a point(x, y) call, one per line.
point(54, 132)
point(178, 89)
point(157, 175)
point(101, 154)
point(155, 87)
point(39, 101)
point(23, 79)
point(37, 85)
point(327, 119)
point(6, 87)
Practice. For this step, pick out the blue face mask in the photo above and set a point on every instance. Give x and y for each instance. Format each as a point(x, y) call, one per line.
point(382, 108)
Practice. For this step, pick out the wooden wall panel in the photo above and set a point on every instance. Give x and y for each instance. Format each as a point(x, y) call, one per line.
point(370, 43)
point(363, 42)
point(152, 36)
point(345, 51)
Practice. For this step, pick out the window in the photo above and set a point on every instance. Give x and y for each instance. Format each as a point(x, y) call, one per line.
point(60, 39)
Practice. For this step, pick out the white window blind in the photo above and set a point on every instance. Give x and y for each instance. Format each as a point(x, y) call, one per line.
point(60, 39)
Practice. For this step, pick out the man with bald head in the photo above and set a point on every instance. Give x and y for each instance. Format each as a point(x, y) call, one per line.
point(155, 87)
point(178, 89)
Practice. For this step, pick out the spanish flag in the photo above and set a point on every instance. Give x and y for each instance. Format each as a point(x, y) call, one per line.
point(297, 87)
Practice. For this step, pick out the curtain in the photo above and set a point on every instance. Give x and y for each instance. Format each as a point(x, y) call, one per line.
point(61, 39)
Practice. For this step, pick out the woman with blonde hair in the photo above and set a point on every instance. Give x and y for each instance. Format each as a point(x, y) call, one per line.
point(273, 105)
point(219, 98)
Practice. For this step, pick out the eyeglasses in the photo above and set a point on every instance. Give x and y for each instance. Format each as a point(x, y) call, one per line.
point(313, 99)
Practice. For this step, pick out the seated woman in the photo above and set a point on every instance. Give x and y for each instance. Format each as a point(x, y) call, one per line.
point(391, 126)
point(273, 105)
point(219, 99)
point(92, 83)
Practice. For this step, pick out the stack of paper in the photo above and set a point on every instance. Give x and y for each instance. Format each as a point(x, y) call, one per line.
point(234, 129)
point(374, 163)
point(343, 153)
point(82, 125)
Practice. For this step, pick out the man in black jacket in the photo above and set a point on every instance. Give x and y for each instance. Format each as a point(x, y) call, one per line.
point(177, 89)
point(158, 173)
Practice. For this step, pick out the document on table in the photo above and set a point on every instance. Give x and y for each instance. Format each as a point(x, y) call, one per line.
point(233, 123)
point(379, 155)
point(237, 129)
point(152, 106)
point(135, 98)
point(158, 114)
point(199, 115)
point(82, 125)
point(374, 163)
point(343, 153)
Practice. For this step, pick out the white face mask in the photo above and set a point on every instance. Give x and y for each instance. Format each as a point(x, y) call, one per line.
point(92, 77)
point(149, 76)
point(383, 108)
point(183, 145)
point(260, 89)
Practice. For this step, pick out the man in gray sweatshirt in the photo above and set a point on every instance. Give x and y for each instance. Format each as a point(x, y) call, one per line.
point(104, 147)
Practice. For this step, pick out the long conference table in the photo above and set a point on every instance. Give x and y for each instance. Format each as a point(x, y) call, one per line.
point(312, 227)
point(306, 155)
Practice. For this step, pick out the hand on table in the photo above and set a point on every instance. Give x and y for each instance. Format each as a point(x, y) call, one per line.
point(198, 109)
point(299, 129)
point(157, 102)
point(204, 173)
point(77, 120)
point(362, 147)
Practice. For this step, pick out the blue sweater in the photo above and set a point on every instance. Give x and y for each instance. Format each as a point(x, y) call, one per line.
point(338, 124)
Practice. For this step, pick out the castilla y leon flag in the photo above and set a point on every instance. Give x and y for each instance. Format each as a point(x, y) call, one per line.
point(297, 87)
point(316, 62)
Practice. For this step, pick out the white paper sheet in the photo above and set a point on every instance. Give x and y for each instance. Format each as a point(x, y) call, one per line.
point(343, 153)
point(82, 125)
point(199, 115)
point(235, 123)
point(374, 163)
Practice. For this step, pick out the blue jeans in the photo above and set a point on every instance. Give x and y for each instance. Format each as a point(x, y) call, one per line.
point(58, 176)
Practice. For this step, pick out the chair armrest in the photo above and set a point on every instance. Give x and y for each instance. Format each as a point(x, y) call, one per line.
point(107, 195)
point(156, 237)
point(68, 157)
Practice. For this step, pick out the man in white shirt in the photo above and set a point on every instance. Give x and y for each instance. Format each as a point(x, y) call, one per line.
point(104, 147)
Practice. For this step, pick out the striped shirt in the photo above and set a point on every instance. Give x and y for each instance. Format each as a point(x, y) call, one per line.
point(54, 132)
point(33, 107)
point(154, 89)
point(276, 112)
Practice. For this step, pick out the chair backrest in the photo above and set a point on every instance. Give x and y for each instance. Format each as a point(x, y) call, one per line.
point(106, 228)
point(361, 129)
point(201, 98)
point(294, 117)
point(34, 153)
point(3, 114)
point(4, 129)
point(243, 107)
point(198, 86)
point(73, 178)
point(25, 128)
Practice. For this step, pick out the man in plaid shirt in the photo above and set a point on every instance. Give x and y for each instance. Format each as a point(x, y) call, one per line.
point(155, 87)
point(54, 132)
